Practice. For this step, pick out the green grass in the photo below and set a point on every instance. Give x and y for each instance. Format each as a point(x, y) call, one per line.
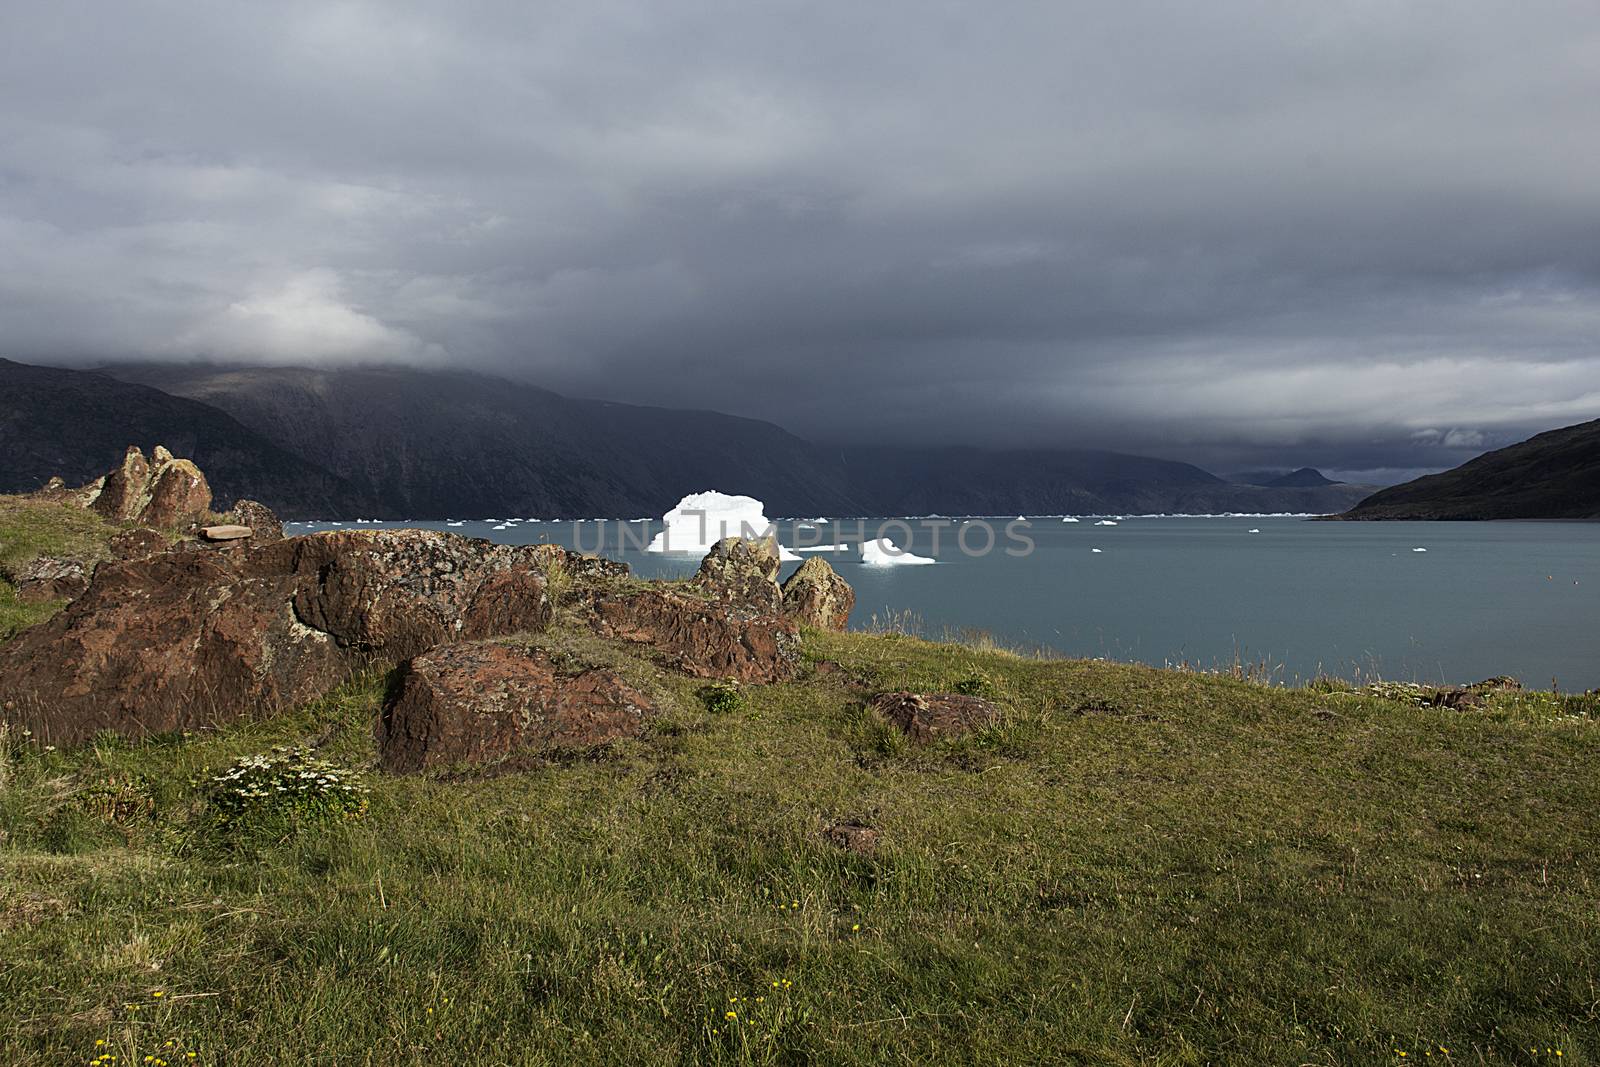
point(30, 528)
point(1136, 867)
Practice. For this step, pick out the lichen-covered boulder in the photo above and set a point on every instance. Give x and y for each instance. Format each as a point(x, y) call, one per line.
point(119, 492)
point(701, 637)
point(476, 703)
point(264, 525)
point(925, 717)
point(815, 595)
point(177, 494)
point(48, 578)
point(191, 637)
point(742, 570)
point(162, 492)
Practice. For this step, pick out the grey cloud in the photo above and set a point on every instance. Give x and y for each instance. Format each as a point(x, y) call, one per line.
point(1232, 232)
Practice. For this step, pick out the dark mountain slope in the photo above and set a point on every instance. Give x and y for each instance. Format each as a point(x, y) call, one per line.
point(432, 444)
point(1555, 475)
point(77, 424)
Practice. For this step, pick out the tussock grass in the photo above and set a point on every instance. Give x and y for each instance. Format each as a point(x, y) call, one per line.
point(1136, 866)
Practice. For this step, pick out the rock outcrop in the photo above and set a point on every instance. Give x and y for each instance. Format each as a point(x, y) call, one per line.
point(192, 637)
point(264, 525)
point(475, 703)
point(816, 596)
point(701, 637)
point(48, 578)
point(137, 543)
point(162, 492)
point(742, 571)
point(925, 717)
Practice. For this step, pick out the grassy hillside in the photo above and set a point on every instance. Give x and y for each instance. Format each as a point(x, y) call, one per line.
point(1139, 867)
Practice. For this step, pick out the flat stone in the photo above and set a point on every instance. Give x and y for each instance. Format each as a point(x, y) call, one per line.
point(227, 532)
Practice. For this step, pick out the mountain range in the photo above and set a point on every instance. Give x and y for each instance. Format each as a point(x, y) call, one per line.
point(399, 442)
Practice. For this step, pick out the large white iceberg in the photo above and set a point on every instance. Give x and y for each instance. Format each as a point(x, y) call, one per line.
point(883, 553)
point(702, 519)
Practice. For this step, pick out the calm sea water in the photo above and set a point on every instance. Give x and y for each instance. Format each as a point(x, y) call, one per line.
point(1518, 598)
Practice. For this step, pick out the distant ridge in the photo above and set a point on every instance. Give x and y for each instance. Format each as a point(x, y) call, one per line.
point(1555, 475)
point(401, 443)
point(1304, 478)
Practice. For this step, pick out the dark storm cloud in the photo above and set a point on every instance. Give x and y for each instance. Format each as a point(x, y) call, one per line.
point(1362, 235)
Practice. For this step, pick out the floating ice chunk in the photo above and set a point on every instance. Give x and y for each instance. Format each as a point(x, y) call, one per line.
point(500, 526)
point(702, 519)
point(1419, 550)
point(455, 522)
point(1069, 518)
point(883, 553)
point(1254, 530)
point(841, 547)
point(1095, 550)
point(1106, 522)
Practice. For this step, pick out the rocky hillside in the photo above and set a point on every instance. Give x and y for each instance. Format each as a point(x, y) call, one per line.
point(77, 424)
point(1555, 475)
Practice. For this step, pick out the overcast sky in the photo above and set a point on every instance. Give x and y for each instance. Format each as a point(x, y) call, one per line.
point(1350, 234)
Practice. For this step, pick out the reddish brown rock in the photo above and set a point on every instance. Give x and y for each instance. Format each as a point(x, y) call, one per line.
point(815, 595)
point(475, 703)
point(743, 571)
point(177, 494)
point(120, 490)
point(185, 639)
point(928, 717)
point(264, 525)
point(47, 578)
point(137, 544)
point(162, 492)
point(705, 638)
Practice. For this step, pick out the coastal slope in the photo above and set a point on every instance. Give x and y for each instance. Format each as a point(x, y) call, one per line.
point(1555, 475)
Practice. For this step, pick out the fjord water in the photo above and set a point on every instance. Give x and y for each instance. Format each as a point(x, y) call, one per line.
point(1343, 598)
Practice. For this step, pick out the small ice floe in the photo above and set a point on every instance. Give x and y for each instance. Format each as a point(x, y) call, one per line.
point(1254, 530)
point(1069, 518)
point(883, 553)
point(841, 547)
point(456, 522)
point(500, 526)
point(702, 519)
point(335, 524)
point(1419, 550)
point(1095, 550)
point(1106, 522)
point(1022, 518)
